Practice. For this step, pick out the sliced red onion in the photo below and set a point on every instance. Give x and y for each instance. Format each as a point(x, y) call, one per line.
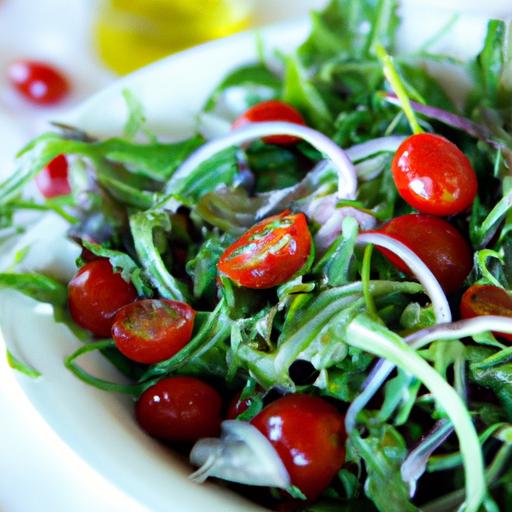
point(450, 119)
point(242, 455)
point(440, 305)
point(382, 144)
point(417, 340)
point(460, 329)
point(347, 183)
point(323, 211)
point(422, 273)
point(416, 462)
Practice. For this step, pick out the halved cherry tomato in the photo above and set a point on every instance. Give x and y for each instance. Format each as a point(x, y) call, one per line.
point(180, 409)
point(95, 294)
point(270, 253)
point(436, 242)
point(479, 300)
point(52, 181)
point(38, 82)
point(272, 110)
point(433, 175)
point(308, 434)
point(152, 330)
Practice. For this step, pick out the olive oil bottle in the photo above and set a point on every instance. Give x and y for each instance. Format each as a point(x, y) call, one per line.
point(132, 33)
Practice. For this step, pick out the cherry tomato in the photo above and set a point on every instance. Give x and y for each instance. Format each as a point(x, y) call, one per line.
point(180, 409)
point(152, 330)
point(308, 434)
point(38, 82)
point(272, 110)
point(52, 181)
point(479, 300)
point(270, 253)
point(437, 243)
point(95, 294)
point(237, 406)
point(433, 175)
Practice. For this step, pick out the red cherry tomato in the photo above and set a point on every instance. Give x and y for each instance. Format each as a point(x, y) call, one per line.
point(437, 243)
point(308, 434)
point(272, 110)
point(237, 406)
point(38, 82)
point(95, 295)
point(433, 175)
point(270, 253)
point(479, 300)
point(52, 181)
point(152, 330)
point(180, 409)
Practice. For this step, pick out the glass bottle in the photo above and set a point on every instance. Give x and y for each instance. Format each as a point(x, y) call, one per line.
point(132, 33)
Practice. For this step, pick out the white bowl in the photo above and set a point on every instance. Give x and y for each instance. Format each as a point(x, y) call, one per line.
point(100, 426)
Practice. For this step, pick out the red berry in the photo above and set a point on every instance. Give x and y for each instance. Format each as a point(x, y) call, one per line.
point(436, 242)
point(95, 294)
point(272, 110)
point(479, 300)
point(52, 181)
point(269, 253)
point(180, 409)
point(152, 330)
point(433, 175)
point(237, 406)
point(308, 434)
point(38, 82)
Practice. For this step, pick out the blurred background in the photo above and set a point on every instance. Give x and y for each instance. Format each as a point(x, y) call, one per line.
point(91, 42)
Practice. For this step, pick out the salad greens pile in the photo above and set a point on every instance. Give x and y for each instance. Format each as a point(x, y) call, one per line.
point(349, 306)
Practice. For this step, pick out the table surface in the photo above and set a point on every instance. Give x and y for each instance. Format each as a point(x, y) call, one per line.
point(39, 471)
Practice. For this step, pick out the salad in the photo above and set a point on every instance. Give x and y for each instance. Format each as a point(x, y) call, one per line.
point(311, 295)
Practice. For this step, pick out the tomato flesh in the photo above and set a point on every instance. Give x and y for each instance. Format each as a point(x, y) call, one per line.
point(480, 300)
point(180, 409)
point(38, 82)
point(270, 253)
point(433, 175)
point(52, 181)
point(309, 436)
point(436, 242)
point(272, 110)
point(152, 330)
point(95, 294)
point(237, 406)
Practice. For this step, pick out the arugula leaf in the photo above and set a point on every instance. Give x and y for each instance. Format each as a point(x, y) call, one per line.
point(219, 170)
point(136, 121)
point(21, 367)
point(375, 338)
point(37, 287)
point(337, 262)
point(383, 455)
point(203, 267)
point(300, 92)
point(130, 271)
point(142, 225)
point(491, 65)
point(209, 336)
point(246, 76)
point(155, 161)
point(340, 30)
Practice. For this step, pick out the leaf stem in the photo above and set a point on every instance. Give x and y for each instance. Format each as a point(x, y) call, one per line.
point(392, 76)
